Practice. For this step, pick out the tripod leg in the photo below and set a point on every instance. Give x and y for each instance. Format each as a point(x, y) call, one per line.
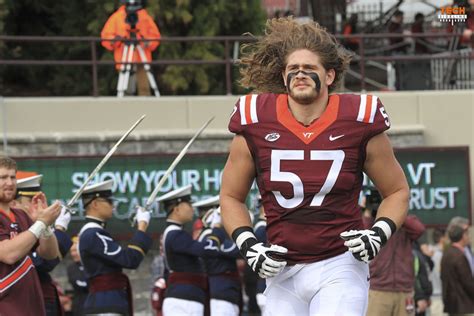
point(128, 68)
point(122, 72)
point(147, 67)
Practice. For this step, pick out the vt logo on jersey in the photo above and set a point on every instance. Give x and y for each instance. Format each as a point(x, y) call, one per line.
point(308, 134)
point(272, 137)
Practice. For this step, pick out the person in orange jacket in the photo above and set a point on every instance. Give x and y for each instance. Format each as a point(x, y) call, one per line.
point(131, 18)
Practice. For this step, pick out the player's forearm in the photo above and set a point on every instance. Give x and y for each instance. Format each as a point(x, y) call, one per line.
point(48, 248)
point(395, 206)
point(237, 178)
point(234, 214)
point(16, 248)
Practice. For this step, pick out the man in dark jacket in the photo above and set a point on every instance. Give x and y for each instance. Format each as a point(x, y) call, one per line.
point(456, 272)
point(391, 272)
point(423, 287)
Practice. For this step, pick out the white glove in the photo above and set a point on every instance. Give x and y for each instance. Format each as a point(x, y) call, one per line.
point(216, 218)
point(143, 215)
point(264, 259)
point(64, 218)
point(365, 244)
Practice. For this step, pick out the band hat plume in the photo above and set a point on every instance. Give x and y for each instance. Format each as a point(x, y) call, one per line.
point(101, 189)
point(29, 186)
point(213, 201)
point(179, 195)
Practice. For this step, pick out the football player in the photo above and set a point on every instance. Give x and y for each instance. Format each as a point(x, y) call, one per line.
point(307, 147)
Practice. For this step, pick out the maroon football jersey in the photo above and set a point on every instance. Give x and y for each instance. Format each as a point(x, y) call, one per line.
point(309, 177)
point(20, 289)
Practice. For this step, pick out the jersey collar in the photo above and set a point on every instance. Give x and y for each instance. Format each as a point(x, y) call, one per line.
point(307, 133)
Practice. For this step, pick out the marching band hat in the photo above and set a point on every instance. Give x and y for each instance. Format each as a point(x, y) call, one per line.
point(177, 196)
point(97, 190)
point(29, 186)
point(213, 201)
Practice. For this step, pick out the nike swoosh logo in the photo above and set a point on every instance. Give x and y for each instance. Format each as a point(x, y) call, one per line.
point(333, 138)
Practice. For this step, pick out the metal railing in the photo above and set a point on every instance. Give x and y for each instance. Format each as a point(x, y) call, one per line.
point(368, 43)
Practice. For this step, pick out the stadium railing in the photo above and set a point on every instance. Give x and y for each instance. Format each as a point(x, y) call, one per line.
point(374, 52)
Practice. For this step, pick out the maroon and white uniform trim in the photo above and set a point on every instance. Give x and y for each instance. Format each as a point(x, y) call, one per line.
point(309, 176)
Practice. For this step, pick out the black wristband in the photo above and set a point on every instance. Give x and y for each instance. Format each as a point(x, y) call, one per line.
point(244, 238)
point(385, 228)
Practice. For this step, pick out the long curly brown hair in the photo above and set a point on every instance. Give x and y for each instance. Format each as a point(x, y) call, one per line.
point(263, 61)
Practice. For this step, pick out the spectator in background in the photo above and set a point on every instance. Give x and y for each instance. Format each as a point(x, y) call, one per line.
point(423, 287)
point(119, 27)
point(457, 270)
point(350, 28)
point(395, 26)
point(398, 46)
point(468, 33)
point(418, 28)
point(392, 270)
point(78, 280)
point(435, 252)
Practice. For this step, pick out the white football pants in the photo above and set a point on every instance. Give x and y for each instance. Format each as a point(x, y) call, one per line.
point(332, 287)
point(179, 307)
point(221, 308)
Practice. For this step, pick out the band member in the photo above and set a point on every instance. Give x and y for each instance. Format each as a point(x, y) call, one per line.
point(104, 258)
point(27, 189)
point(77, 279)
point(224, 280)
point(202, 207)
point(187, 290)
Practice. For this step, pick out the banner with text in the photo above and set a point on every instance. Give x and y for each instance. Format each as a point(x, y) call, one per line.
point(438, 179)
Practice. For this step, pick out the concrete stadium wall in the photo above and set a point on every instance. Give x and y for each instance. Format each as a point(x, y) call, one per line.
point(443, 118)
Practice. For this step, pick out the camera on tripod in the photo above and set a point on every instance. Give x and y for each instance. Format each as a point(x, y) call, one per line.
point(132, 7)
point(134, 48)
